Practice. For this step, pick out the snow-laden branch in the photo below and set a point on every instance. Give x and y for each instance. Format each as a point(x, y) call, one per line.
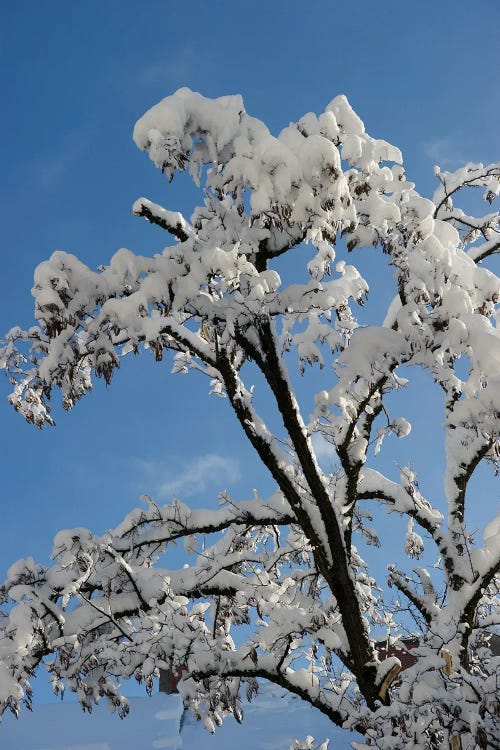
point(159, 525)
point(299, 682)
point(481, 252)
point(104, 589)
point(404, 498)
point(172, 221)
point(472, 175)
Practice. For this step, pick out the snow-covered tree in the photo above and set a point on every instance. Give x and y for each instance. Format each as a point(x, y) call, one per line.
point(279, 590)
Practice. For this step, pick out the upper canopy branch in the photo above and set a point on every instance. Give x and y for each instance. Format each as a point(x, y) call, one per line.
point(172, 221)
point(485, 250)
point(160, 525)
point(472, 175)
point(267, 251)
point(404, 499)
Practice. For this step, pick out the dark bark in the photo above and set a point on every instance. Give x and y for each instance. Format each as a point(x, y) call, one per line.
point(333, 561)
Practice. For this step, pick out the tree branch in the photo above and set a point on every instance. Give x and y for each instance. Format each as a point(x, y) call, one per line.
point(336, 572)
point(489, 171)
point(374, 485)
point(172, 221)
point(198, 522)
point(484, 251)
point(266, 668)
point(397, 579)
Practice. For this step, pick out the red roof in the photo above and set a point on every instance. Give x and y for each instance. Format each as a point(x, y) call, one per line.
point(401, 650)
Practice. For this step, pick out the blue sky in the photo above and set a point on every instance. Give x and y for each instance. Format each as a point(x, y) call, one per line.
point(75, 78)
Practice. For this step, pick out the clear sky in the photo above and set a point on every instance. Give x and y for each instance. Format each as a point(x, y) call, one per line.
point(75, 78)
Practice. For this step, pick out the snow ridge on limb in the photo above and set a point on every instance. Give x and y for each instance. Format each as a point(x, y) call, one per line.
point(172, 221)
point(287, 568)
